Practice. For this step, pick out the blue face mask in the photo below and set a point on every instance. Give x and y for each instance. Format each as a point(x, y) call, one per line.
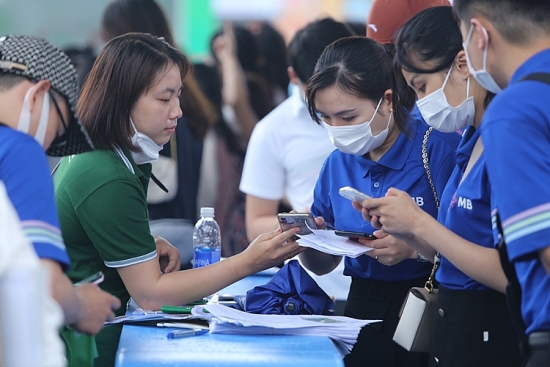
point(482, 76)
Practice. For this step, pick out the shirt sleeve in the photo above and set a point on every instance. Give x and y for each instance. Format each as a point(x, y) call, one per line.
point(26, 175)
point(115, 219)
point(516, 135)
point(263, 173)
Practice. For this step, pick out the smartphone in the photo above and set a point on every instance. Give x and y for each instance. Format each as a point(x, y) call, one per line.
point(290, 220)
point(355, 235)
point(94, 278)
point(353, 194)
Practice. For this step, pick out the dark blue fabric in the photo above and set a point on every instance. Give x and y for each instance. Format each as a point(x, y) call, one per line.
point(292, 291)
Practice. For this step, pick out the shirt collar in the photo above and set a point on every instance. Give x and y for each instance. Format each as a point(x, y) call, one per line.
point(396, 157)
point(297, 103)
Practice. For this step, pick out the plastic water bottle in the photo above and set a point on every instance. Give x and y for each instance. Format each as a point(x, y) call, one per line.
point(207, 241)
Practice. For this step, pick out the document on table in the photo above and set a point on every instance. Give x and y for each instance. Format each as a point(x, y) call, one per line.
point(342, 330)
point(327, 242)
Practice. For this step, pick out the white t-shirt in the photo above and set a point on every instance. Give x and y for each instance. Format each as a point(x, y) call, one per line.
point(285, 154)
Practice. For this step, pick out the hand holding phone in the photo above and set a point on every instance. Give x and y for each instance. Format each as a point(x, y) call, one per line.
point(290, 220)
point(353, 194)
point(355, 235)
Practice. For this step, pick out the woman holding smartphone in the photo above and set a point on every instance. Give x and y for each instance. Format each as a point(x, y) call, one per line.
point(472, 326)
point(130, 105)
point(353, 95)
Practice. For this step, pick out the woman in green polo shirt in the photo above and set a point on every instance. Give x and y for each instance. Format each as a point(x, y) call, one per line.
point(130, 105)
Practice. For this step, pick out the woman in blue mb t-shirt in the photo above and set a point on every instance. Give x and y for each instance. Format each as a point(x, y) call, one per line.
point(352, 94)
point(472, 326)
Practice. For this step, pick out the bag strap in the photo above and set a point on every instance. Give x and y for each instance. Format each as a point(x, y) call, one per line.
point(513, 289)
point(426, 162)
point(538, 77)
point(428, 286)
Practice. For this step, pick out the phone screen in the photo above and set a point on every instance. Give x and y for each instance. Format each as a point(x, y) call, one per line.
point(290, 220)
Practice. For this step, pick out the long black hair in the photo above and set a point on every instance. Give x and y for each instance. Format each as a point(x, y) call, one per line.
point(364, 68)
point(428, 43)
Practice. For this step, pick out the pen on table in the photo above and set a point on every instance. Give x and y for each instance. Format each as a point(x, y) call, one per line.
point(180, 325)
point(183, 333)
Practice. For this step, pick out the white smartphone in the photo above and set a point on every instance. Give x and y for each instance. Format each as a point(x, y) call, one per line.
point(353, 194)
point(94, 278)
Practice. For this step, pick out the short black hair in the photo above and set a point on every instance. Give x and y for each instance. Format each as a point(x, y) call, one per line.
point(9, 80)
point(309, 42)
point(516, 20)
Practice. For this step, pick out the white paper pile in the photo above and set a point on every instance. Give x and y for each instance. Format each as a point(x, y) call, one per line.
point(342, 330)
point(328, 242)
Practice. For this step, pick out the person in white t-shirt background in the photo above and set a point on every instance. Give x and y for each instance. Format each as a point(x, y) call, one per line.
point(287, 148)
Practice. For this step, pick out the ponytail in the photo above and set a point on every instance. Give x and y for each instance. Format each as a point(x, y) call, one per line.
point(364, 68)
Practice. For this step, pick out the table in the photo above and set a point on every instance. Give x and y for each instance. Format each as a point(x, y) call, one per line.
point(144, 346)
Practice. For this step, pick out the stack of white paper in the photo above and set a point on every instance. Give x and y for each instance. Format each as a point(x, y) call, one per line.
point(328, 242)
point(342, 330)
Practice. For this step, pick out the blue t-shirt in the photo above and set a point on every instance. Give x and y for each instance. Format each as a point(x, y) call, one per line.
point(466, 210)
point(25, 172)
point(401, 167)
point(516, 135)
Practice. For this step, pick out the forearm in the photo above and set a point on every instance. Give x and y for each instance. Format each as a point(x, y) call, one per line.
point(235, 94)
point(477, 262)
point(63, 291)
point(318, 262)
point(260, 224)
point(186, 286)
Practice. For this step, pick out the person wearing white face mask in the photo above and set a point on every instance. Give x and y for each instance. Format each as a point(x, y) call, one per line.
point(471, 280)
point(130, 105)
point(38, 94)
point(510, 41)
point(351, 93)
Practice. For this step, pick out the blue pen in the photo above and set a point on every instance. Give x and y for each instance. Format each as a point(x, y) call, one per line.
point(183, 333)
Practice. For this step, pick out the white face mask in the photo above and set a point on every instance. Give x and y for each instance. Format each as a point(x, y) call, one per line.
point(25, 117)
point(149, 149)
point(357, 139)
point(439, 114)
point(482, 76)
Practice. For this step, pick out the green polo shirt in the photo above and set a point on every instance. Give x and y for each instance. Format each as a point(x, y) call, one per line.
point(105, 223)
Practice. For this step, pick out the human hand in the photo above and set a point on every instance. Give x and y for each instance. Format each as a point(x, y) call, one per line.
point(273, 248)
point(225, 45)
point(388, 250)
point(95, 307)
point(396, 213)
point(320, 223)
point(169, 256)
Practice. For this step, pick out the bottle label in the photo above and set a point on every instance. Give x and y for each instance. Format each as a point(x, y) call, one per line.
point(205, 257)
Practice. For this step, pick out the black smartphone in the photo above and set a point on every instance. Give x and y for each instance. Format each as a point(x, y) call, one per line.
point(355, 235)
point(290, 220)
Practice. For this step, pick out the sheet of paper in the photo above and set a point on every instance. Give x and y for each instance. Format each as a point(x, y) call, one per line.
point(327, 242)
point(342, 330)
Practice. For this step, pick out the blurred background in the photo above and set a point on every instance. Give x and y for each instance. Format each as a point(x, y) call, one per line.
point(76, 23)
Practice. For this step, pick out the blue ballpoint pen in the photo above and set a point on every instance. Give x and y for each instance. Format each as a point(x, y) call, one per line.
point(183, 333)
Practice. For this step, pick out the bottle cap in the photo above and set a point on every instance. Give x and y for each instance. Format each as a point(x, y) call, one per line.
point(207, 212)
